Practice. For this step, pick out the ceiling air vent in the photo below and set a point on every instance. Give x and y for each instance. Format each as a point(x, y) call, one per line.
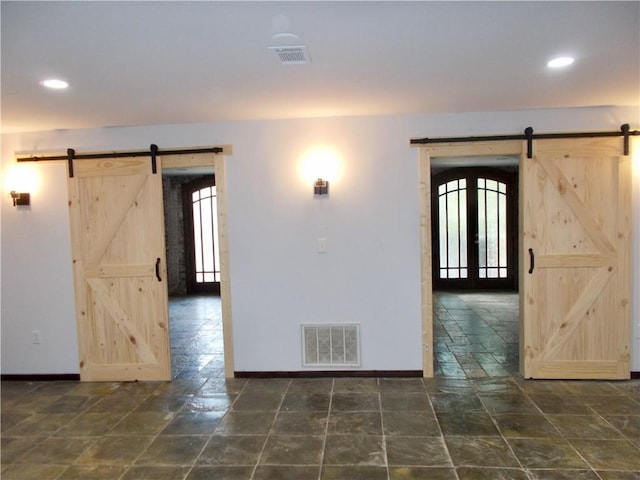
point(292, 55)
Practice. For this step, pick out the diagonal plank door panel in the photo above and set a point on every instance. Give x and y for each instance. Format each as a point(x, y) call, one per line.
point(576, 219)
point(117, 235)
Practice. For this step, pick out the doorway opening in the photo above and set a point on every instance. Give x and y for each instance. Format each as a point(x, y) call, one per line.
point(193, 273)
point(474, 221)
point(475, 333)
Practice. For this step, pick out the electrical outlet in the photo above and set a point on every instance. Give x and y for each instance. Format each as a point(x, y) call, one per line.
point(35, 336)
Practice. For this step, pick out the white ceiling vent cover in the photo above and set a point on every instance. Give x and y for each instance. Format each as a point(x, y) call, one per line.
point(292, 55)
point(331, 345)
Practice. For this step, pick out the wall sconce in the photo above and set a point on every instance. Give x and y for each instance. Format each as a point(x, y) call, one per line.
point(319, 166)
point(20, 198)
point(20, 178)
point(321, 187)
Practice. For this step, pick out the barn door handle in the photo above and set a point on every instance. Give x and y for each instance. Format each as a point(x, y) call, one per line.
point(158, 269)
point(532, 260)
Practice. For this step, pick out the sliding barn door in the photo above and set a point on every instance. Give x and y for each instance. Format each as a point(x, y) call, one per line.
point(575, 260)
point(117, 232)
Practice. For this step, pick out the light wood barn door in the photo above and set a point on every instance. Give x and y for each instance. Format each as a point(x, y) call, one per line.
point(117, 231)
point(576, 228)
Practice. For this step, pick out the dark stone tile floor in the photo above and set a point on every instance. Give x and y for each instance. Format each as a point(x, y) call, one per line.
point(475, 335)
point(467, 426)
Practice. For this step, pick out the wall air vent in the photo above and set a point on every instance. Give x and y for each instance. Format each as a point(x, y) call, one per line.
point(331, 345)
point(292, 55)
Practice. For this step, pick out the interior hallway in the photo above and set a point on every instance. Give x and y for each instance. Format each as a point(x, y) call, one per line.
point(472, 424)
point(197, 347)
point(476, 334)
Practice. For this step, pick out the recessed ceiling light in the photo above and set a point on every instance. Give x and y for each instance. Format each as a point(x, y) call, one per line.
point(560, 62)
point(54, 83)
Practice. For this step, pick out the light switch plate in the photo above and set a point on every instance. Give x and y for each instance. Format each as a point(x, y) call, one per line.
point(322, 245)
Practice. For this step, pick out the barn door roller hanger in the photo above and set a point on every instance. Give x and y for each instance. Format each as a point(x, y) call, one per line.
point(529, 136)
point(153, 152)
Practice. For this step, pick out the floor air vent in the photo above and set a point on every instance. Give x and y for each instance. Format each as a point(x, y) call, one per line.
point(331, 345)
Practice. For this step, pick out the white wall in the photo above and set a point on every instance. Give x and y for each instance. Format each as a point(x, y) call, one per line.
point(37, 280)
point(370, 274)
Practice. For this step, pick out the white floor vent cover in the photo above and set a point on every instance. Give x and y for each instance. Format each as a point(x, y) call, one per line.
point(331, 345)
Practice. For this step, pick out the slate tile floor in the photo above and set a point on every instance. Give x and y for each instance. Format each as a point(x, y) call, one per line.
point(201, 426)
point(475, 334)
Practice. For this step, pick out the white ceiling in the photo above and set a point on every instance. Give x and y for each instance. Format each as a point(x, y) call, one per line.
point(147, 62)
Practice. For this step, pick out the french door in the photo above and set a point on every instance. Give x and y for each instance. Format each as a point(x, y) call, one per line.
point(201, 236)
point(474, 215)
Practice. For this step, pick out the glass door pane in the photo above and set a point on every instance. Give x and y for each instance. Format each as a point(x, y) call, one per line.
point(452, 210)
point(492, 228)
point(474, 212)
point(205, 234)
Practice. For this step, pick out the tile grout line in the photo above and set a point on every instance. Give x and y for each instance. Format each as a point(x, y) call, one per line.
point(204, 446)
point(213, 432)
point(154, 437)
point(97, 437)
point(326, 428)
point(51, 434)
point(546, 417)
point(268, 435)
point(593, 469)
point(442, 436)
point(384, 437)
point(504, 439)
point(624, 437)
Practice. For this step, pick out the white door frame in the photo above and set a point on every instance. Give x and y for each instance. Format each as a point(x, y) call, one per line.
point(467, 149)
point(218, 162)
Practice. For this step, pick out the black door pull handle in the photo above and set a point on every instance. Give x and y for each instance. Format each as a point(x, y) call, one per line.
point(158, 269)
point(532, 260)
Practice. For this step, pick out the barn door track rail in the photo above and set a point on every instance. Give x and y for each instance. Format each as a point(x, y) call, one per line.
point(153, 152)
point(529, 136)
